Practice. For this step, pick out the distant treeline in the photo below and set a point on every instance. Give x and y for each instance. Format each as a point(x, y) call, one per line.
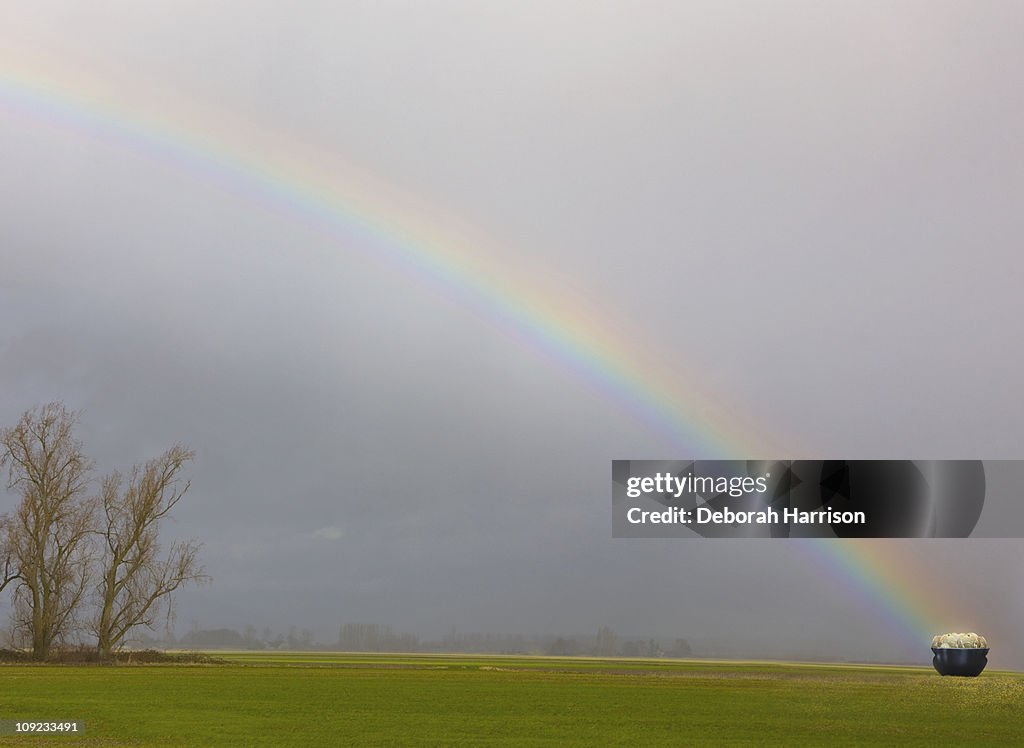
point(376, 637)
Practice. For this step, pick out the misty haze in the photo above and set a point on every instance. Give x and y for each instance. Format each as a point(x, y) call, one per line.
point(346, 252)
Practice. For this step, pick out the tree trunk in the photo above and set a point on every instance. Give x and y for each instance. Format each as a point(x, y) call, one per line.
point(104, 635)
point(40, 647)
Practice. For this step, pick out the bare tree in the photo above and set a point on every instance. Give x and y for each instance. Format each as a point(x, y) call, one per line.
point(46, 541)
point(135, 580)
point(606, 643)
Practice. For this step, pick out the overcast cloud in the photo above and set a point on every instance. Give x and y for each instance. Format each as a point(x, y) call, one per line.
point(814, 206)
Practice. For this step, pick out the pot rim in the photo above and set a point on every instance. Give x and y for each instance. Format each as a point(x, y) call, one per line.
point(936, 650)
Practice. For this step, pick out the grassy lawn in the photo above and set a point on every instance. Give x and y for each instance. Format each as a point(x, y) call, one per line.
point(337, 699)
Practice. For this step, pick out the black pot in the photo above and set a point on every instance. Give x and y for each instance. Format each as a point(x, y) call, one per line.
point(969, 661)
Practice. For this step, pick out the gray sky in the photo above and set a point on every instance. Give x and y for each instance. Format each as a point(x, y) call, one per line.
point(815, 206)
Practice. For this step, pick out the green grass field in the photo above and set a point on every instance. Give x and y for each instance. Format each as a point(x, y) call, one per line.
point(340, 699)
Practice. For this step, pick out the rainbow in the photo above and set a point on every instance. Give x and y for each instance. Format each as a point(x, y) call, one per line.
point(350, 205)
point(908, 599)
point(347, 204)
